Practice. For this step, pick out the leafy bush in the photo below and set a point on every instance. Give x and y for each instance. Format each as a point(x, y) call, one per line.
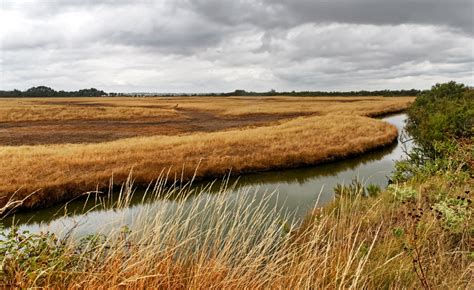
point(31, 254)
point(441, 123)
point(441, 115)
point(26, 256)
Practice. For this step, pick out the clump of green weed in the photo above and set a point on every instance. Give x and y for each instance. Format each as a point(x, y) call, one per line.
point(453, 212)
point(26, 255)
point(373, 189)
point(356, 188)
point(402, 193)
point(40, 258)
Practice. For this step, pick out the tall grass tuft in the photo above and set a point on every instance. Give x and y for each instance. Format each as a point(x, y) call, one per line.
point(223, 241)
point(237, 241)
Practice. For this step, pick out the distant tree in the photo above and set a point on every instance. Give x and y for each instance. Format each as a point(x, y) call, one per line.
point(43, 91)
point(239, 93)
point(14, 93)
point(40, 91)
point(92, 92)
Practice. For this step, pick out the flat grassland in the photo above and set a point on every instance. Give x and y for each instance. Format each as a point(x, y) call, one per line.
point(59, 148)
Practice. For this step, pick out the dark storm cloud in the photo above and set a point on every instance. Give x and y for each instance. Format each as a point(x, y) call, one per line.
point(287, 13)
point(221, 45)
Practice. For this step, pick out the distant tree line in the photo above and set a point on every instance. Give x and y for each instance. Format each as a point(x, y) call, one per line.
point(386, 93)
point(43, 91)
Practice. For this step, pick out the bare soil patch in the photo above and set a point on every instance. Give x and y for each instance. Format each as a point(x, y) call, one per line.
point(97, 130)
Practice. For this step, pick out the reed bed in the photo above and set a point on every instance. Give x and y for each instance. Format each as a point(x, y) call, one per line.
point(234, 241)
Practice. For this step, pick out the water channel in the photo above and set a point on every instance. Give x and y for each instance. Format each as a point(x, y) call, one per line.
point(293, 192)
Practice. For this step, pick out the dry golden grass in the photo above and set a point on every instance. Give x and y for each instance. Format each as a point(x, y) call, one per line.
point(241, 244)
point(126, 108)
point(61, 171)
point(61, 109)
point(94, 120)
point(362, 106)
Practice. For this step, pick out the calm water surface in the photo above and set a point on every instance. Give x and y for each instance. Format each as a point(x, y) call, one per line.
point(294, 192)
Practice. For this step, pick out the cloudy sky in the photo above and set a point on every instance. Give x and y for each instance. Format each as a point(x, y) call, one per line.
point(223, 45)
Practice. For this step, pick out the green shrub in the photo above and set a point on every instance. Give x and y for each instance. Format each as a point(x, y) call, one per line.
point(441, 115)
point(26, 254)
point(441, 123)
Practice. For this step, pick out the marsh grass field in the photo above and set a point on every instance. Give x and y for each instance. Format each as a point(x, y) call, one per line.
point(414, 234)
point(36, 121)
point(55, 149)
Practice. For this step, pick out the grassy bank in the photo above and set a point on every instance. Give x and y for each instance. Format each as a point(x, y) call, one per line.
point(416, 234)
point(41, 175)
point(402, 238)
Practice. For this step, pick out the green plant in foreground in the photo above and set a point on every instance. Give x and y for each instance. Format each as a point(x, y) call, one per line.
point(44, 257)
point(453, 212)
point(398, 232)
point(373, 189)
point(356, 188)
point(31, 254)
point(402, 193)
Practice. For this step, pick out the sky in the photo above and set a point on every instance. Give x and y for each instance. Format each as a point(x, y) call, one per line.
point(222, 45)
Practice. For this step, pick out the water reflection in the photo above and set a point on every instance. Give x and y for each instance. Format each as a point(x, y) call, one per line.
point(293, 192)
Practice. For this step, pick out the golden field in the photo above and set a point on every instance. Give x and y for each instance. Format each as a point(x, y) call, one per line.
point(92, 120)
point(206, 136)
point(135, 108)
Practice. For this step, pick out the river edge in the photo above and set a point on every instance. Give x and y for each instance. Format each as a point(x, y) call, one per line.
point(5, 212)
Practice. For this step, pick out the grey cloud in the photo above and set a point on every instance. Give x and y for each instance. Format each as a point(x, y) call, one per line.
point(289, 13)
point(183, 25)
point(162, 26)
point(221, 45)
